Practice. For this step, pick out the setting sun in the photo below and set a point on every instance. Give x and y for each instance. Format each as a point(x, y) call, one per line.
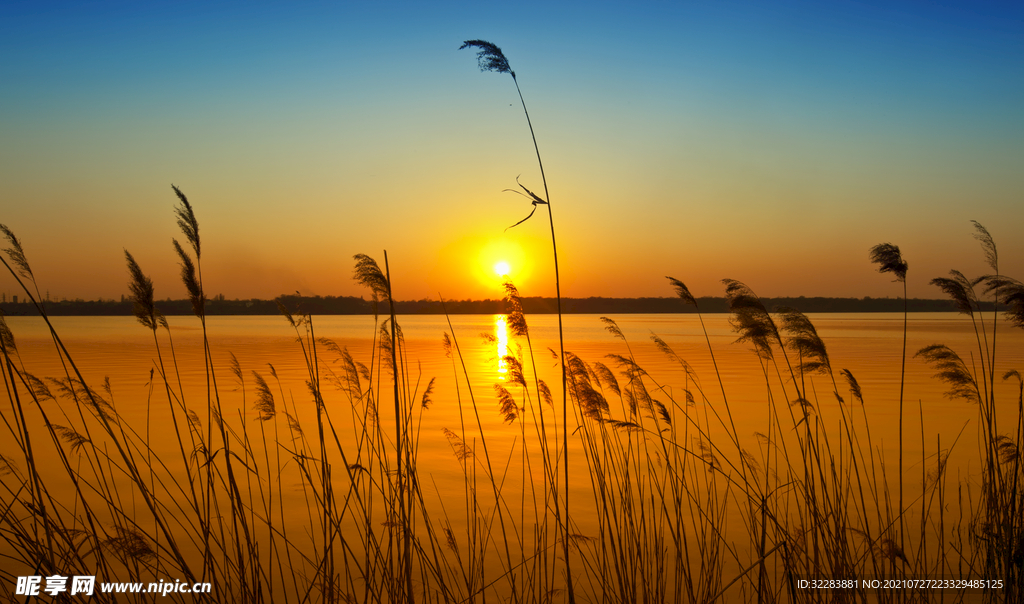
point(502, 268)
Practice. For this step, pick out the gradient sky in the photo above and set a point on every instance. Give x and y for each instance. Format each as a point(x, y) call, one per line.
point(770, 142)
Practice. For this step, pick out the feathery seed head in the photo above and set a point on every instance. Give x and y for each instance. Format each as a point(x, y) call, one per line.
point(750, 318)
point(141, 288)
point(682, 291)
point(187, 221)
point(960, 289)
point(613, 328)
point(953, 371)
point(6, 336)
point(16, 253)
point(191, 280)
point(988, 245)
point(1010, 292)
point(368, 273)
point(515, 319)
point(889, 260)
point(264, 399)
point(489, 57)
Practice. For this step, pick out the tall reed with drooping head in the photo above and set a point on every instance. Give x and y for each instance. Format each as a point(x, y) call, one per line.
point(368, 273)
point(490, 58)
point(889, 260)
point(192, 277)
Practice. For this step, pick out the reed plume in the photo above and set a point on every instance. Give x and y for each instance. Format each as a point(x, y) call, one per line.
point(889, 260)
point(16, 253)
point(7, 336)
point(368, 274)
point(1010, 292)
point(750, 318)
point(854, 385)
point(506, 404)
point(804, 339)
point(264, 399)
point(489, 57)
point(514, 317)
point(130, 543)
point(141, 288)
point(960, 289)
point(187, 221)
point(988, 245)
point(682, 291)
point(953, 371)
point(425, 400)
point(190, 278)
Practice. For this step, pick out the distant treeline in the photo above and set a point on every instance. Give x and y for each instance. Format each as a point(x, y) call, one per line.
point(349, 305)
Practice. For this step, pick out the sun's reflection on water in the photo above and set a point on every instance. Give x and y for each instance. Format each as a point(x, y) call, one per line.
point(501, 341)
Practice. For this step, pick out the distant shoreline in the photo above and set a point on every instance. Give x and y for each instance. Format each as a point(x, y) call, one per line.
point(350, 305)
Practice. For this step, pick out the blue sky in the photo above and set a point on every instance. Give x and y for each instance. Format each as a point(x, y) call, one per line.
point(768, 142)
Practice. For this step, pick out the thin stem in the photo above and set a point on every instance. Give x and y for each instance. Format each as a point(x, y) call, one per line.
point(561, 352)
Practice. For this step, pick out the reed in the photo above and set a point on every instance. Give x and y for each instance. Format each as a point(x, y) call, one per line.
point(491, 58)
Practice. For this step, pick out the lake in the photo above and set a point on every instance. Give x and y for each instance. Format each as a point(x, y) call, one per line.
point(767, 429)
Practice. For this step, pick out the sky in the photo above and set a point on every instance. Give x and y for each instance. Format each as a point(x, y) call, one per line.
point(773, 143)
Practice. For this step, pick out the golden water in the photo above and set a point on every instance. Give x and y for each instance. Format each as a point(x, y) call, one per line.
point(869, 345)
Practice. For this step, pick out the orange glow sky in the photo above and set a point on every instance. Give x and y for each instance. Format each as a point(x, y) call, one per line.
point(702, 141)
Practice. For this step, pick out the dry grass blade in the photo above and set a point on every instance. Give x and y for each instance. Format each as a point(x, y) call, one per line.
point(889, 260)
point(16, 253)
point(535, 200)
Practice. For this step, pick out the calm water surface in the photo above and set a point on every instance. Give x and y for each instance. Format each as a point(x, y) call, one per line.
point(869, 345)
